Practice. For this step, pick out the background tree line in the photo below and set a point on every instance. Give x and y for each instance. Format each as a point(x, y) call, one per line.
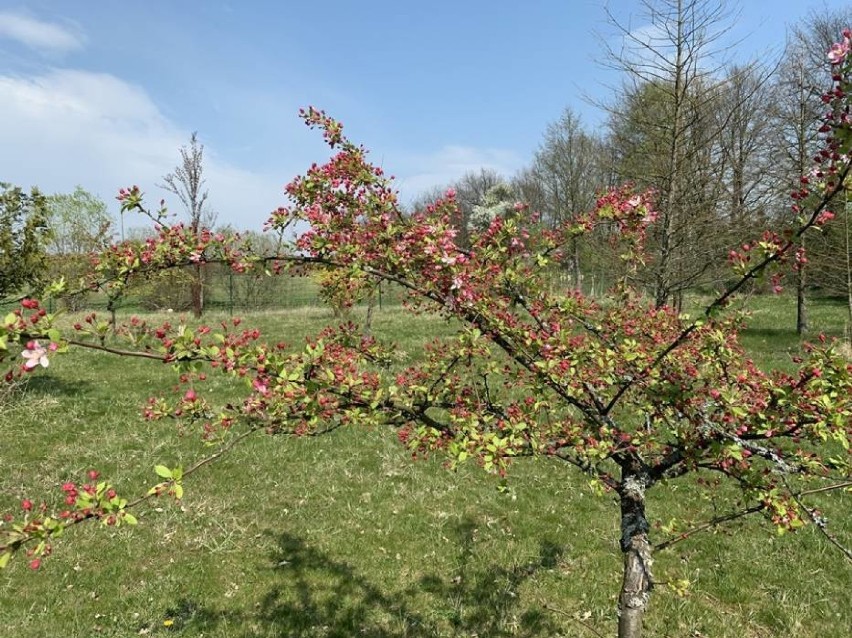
point(722, 144)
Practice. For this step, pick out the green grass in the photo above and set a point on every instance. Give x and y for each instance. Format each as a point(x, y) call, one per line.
point(343, 535)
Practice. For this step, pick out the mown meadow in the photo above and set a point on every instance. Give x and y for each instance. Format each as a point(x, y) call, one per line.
point(343, 535)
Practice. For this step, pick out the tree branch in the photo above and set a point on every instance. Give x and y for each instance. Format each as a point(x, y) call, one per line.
point(727, 518)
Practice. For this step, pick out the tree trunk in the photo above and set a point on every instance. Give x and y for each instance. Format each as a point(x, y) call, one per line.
point(801, 299)
point(575, 265)
point(637, 583)
point(846, 207)
point(368, 319)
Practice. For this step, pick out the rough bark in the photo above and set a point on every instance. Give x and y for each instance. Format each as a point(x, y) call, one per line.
point(637, 582)
point(846, 242)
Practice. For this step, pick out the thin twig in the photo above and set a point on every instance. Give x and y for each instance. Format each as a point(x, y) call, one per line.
point(575, 619)
point(726, 518)
point(124, 353)
point(820, 522)
point(713, 522)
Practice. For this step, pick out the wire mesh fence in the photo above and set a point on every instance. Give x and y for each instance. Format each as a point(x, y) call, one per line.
point(224, 291)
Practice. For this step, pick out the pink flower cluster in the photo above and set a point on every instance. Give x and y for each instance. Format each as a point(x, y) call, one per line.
point(839, 50)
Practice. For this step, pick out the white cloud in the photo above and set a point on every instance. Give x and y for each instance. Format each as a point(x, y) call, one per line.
point(70, 127)
point(419, 173)
point(38, 35)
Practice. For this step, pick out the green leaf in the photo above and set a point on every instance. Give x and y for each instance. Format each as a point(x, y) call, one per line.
point(130, 519)
point(10, 319)
point(178, 491)
point(163, 471)
point(4, 559)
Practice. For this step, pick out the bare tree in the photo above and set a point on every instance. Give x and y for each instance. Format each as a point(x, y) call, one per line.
point(566, 174)
point(742, 161)
point(796, 116)
point(797, 112)
point(188, 184)
point(664, 123)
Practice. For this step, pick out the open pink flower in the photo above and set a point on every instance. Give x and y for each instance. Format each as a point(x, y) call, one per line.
point(35, 355)
point(838, 51)
point(260, 387)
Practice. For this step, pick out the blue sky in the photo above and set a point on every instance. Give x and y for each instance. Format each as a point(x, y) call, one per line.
point(103, 94)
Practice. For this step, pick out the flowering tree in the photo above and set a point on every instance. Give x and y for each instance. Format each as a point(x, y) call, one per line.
point(632, 395)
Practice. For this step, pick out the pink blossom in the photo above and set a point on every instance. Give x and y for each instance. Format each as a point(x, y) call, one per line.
point(824, 217)
point(35, 355)
point(838, 51)
point(260, 387)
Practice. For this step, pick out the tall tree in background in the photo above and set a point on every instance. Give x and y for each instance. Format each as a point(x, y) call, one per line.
point(741, 160)
point(80, 225)
point(795, 124)
point(799, 108)
point(664, 126)
point(188, 184)
point(79, 222)
point(23, 237)
point(566, 174)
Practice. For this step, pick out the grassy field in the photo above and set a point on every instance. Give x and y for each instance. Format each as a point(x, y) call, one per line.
point(343, 535)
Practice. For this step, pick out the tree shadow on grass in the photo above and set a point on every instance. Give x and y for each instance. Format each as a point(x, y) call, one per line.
point(788, 335)
point(319, 595)
point(41, 387)
point(44, 385)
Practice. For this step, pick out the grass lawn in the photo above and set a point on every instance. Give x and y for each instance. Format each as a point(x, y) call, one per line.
point(342, 535)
